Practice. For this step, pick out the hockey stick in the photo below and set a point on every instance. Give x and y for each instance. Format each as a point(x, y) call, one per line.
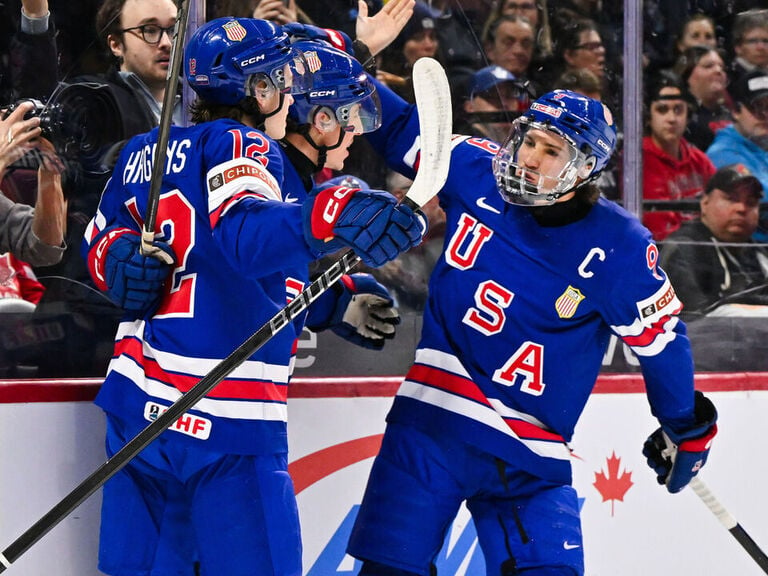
point(433, 100)
point(746, 541)
point(148, 247)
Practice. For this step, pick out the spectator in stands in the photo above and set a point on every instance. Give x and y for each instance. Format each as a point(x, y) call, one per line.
point(138, 34)
point(509, 42)
point(703, 71)
point(577, 46)
point(750, 42)
point(494, 100)
point(661, 49)
point(278, 11)
point(673, 169)
point(714, 260)
point(580, 80)
point(536, 13)
point(33, 235)
point(746, 140)
point(697, 30)
point(607, 18)
point(417, 40)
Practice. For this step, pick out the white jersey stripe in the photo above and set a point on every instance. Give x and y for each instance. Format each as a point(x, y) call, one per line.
point(479, 413)
point(238, 409)
point(199, 367)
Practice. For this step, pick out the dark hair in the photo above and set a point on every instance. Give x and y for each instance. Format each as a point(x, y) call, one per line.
point(202, 110)
point(492, 27)
point(569, 35)
point(579, 80)
point(689, 59)
point(665, 79)
point(743, 22)
point(542, 34)
point(699, 16)
point(108, 19)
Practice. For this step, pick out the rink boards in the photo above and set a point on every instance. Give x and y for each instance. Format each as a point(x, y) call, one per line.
point(51, 438)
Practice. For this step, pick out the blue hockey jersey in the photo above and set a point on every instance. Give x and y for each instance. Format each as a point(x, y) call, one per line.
point(238, 248)
point(519, 315)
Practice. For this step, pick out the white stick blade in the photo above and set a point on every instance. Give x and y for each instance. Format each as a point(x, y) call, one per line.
point(433, 101)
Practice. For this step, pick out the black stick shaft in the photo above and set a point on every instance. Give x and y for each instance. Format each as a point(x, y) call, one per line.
point(750, 546)
point(112, 466)
point(166, 116)
point(727, 520)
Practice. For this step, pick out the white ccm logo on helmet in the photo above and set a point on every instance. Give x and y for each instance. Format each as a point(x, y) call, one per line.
point(252, 60)
point(322, 93)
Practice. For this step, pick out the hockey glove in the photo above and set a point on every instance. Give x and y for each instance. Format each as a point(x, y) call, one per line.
point(359, 309)
point(677, 457)
point(134, 281)
point(371, 222)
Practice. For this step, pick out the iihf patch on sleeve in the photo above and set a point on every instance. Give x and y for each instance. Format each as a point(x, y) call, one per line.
point(663, 303)
point(215, 182)
point(195, 426)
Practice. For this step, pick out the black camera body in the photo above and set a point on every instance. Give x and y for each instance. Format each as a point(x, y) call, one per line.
point(82, 121)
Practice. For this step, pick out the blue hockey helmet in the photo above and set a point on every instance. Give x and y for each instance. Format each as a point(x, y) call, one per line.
point(228, 59)
point(340, 84)
point(588, 130)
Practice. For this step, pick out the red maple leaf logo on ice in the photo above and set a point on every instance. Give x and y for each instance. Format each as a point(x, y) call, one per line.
point(614, 485)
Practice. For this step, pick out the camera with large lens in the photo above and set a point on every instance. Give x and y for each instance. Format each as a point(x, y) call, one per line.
point(81, 120)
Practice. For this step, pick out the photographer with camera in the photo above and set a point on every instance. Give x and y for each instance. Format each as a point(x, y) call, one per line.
point(90, 117)
point(35, 235)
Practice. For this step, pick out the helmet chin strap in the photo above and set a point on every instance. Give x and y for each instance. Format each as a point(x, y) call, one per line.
point(250, 106)
point(322, 151)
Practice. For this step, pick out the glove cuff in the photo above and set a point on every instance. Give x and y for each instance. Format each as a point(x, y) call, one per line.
point(699, 444)
point(705, 415)
point(327, 207)
point(98, 253)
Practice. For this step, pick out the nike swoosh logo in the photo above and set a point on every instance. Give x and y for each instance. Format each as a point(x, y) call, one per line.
point(482, 204)
point(568, 546)
point(290, 199)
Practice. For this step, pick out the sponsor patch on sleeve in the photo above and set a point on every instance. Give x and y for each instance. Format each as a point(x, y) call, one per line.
point(240, 175)
point(663, 303)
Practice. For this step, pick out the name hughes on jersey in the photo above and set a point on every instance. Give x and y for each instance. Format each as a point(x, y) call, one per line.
point(138, 167)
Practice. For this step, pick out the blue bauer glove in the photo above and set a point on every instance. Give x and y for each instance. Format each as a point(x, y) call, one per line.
point(134, 281)
point(358, 309)
point(370, 222)
point(677, 457)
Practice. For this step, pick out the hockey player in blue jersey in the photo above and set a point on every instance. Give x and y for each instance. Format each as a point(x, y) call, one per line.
point(322, 124)
point(214, 487)
point(537, 273)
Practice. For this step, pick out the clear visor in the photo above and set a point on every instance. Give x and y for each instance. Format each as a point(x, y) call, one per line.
point(361, 116)
point(292, 77)
point(537, 165)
